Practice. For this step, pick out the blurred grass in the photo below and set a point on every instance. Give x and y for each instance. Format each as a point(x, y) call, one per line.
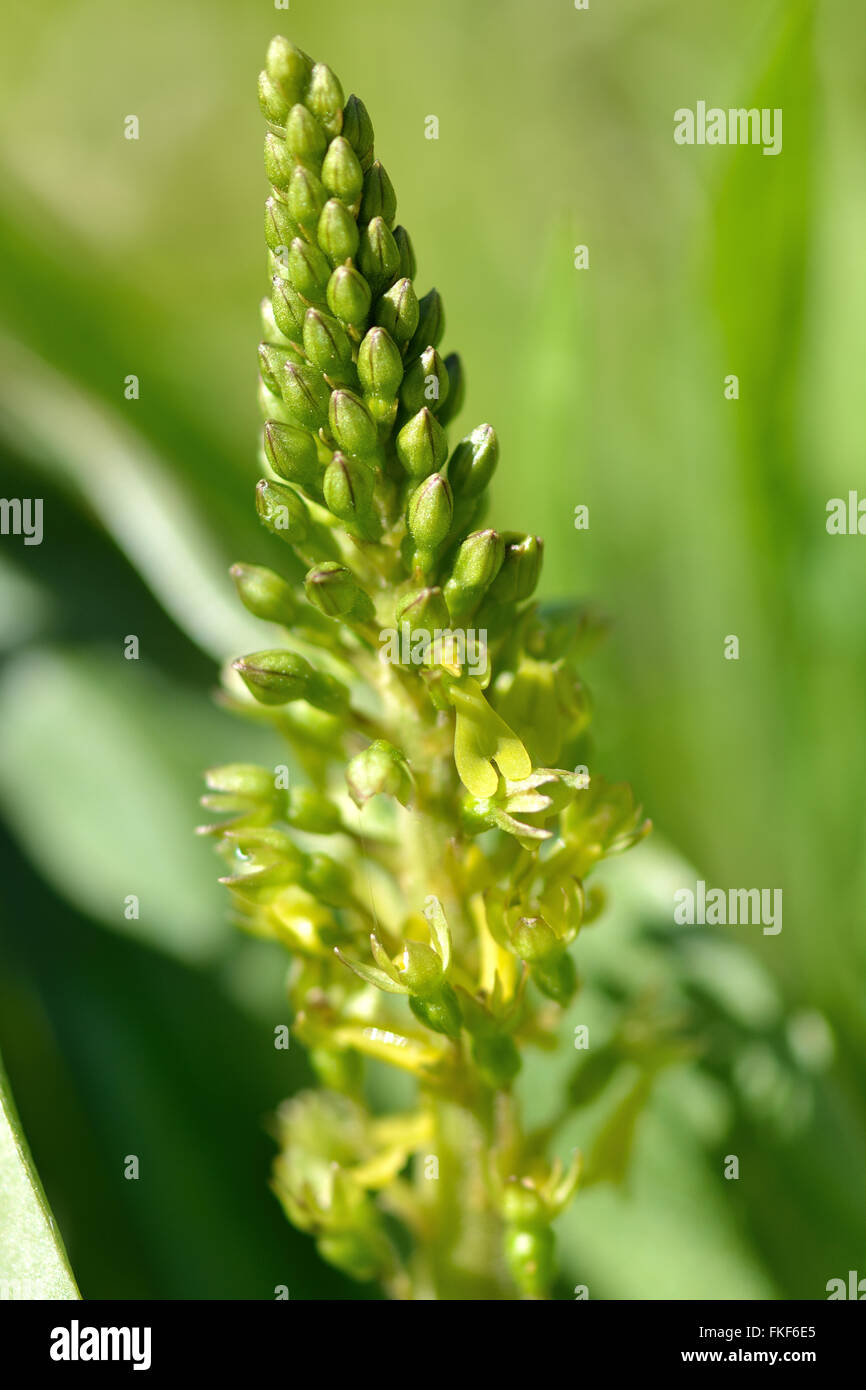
point(606, 386)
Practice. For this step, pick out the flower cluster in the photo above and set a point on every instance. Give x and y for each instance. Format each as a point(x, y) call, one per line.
point(426, 868)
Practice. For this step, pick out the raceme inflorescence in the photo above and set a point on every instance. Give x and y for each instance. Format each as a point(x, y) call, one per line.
point(424, 862)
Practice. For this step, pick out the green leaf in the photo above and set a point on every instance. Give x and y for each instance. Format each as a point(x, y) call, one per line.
point(33, 1263)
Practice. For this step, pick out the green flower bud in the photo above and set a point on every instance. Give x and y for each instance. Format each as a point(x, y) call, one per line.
point(474, 461)
point(337, 232)
point(289, 67)
point(252, 784)
point(476, 565)
point(497, 1059)
point(306, 395)
point(270, 330)
point(440, 1011)
point(429, 513)
point(341, 173)
point(363, 1255)
point(425, 383)
point(358, 130)
point(380, 366)
point(271, 406)
point(293, 456)
point(351, 424)
point(521, 567)
point(557, 978)
point(305, 138)
point(326, 344)
point(422, 446)
point(282, 511)
point(288, 307)
point(456, 389)
point(378, 198)
point(408, 265)
point(424, 610)
point(280, 226)
point(308, 270)
point(329, 880)
point(278, 677)
point(265, 594)
point(534, 940)
point(378, 256)
point(522, 1204)
point(348, 488)
point(279, 164)
point(349, 295)
point(312, 811)
point(306, 197)
point(325, 98)
point(419, 968)
point(274, 105)
point(380, 769)
point(431, 324)
point(334, 590)
point(273, 361)
point(529, 1252)
point(397, 310)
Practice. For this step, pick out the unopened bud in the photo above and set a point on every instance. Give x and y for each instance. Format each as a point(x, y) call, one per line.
point(397, 310)
point(380, 366)
point(381, 768)
point(325, 99)
point(422, 446)
point(334, 590)
point(337, 232)
point(521, 567)
point(265, 594)
point(306, 395)
point(306, 197)
point(305, 138)
point(378, 256)
point(429, 512)
point(312, 811)
point(278, 677)
point(378, 198)
point(456, 389)
point(341, 173)
point(288, 307)
point(280, 226)
point(326, 344)
point(282, 511)
point(425, 383)
point(289, 67)
point(293, 456)
point(309, 270)
point(408, 265)
point(279, 164)
point(348, 488)
point(358, 130)
point(474, 461)
point(431, 324)
point(273, 361)
point(424, 610)
point(351, 424)
point(476, 565)
point(349, 295)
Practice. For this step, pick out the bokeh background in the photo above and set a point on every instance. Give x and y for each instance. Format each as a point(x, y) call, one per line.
point(606, 385)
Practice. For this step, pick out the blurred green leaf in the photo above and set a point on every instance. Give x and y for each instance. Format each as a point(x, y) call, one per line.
point(100, 774)
point(33, 1263)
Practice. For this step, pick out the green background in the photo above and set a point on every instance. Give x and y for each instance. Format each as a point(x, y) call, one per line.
point(606, 386)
